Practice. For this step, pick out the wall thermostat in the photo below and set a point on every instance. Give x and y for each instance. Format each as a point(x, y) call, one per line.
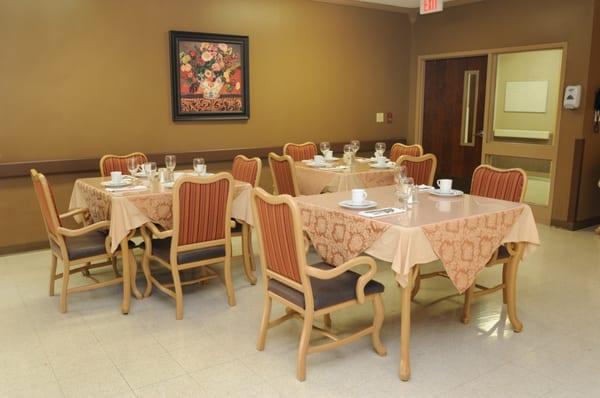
point(572, 97)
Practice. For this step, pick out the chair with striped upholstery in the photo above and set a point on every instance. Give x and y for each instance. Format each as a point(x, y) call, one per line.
point(247, 170)
point(284, 176)
point(308, 291)
point(420, 168)
point(79, 250)
point(503, 184)
point(399, 149)
point(110, 163)
point(299, 152)
point(201, 236)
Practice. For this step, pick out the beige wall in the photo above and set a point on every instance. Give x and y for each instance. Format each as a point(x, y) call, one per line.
point(509, 23)
point(544, 65)
point(80, 78)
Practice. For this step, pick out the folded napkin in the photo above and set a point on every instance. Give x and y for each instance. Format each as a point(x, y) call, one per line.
point(424, 187)
point(128, 189)
point(386, 211)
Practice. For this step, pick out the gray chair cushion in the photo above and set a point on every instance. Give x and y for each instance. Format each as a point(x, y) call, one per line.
point(91, 244)
point(326, 292)
point(503, 252)
point(162, 248)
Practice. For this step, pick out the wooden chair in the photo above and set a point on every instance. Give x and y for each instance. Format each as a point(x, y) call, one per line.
point(308, 291)
point(284, 176)
point(247, 170)
point(420, 168)
point(110, 163)
point(79, 250)
point(504, 184)
point(399, 149)
point(299, 152)
point(201, 236)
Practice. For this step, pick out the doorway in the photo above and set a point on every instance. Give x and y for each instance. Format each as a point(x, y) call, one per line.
point(453, 115)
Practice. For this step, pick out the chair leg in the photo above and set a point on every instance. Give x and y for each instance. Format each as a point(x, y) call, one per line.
point(147, 274)
point(327, 320)
point(378, 315)
point(250, 251)
point(264, 324)
point(417, 285)
point(247, 254)
point(504, 278)
point(53, 274)
point(178, 293)
point(114, 267)
point(229, 282)
point(133, 275)
point(466, 315)
point(64, 291)
point(304, 344)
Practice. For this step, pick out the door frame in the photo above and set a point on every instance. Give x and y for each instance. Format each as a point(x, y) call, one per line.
point(489, 147)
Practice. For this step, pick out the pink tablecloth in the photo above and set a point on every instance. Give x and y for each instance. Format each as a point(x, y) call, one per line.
point(130, 210)
point(462, 232)
point(312, 180)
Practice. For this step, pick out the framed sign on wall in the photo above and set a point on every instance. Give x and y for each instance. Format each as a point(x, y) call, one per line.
point(209, 76)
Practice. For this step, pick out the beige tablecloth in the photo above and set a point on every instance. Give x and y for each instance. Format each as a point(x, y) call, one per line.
point(313, 180)
point(130, 210)
point(462, 232)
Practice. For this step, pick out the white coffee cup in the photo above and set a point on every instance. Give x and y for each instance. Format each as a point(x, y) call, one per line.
point(381, 161)
point(328, 154)
point(200, 169)
point(359, 196)
point(445, 185)
point(116, 176)
point(318, 159)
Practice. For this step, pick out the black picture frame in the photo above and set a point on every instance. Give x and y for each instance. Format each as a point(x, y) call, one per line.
point(195, 96)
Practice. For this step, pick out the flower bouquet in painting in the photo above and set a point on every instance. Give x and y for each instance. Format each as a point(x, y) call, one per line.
point(210, 76)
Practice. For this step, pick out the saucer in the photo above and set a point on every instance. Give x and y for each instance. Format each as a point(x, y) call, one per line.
point(454, 192)
point(168, 184)
point(381, 166)
point(114, 184)
point(311, 163)
point(349, 204)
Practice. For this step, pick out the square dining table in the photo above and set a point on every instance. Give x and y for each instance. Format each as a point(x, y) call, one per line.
point(462, 232)
point(338, 177)
point(129, 209)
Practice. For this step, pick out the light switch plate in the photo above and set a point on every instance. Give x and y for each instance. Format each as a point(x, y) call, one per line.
point(379, 117)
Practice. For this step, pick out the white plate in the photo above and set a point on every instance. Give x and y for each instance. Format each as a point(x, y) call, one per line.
point(375, 159)
point(310, 163)
point(385, 166)
point(140, 174)
point(112, 184)
point(454, 192)
point(168, 184)
point(348, 204)
point(332, 159)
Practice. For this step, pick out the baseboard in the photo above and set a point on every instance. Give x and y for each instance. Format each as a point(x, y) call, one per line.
point(575, 225)
point(24, 247)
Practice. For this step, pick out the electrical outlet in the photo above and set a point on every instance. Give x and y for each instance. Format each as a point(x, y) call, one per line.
point(379, 117)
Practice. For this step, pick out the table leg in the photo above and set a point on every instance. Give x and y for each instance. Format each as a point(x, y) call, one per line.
point(125, 253)
point(133, 274)
point(511, 286)
point(405, 326)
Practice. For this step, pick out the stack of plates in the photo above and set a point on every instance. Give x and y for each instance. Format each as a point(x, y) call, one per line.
point(454, 192)
point(349, 204)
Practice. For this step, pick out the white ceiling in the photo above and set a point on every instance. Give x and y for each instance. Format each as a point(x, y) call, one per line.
point(397, 3)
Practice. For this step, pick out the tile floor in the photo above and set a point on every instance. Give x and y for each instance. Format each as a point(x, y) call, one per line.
point(93, 350)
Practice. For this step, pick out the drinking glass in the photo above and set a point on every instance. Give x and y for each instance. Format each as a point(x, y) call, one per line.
point(150, 169)
point(413, 189)
point(348, 152)
point(399, 173)
point(132, 165)
point(403, 192)
point(380, 148)
point(199, 166)
point(324, 147)
point(356, 145)
point(170, 162)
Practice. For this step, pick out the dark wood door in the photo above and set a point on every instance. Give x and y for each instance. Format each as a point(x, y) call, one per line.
point(443, 117)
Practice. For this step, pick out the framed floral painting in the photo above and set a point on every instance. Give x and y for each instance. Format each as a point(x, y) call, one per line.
point(209, 76)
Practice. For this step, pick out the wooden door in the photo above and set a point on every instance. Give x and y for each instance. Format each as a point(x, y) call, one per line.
point(443, 117)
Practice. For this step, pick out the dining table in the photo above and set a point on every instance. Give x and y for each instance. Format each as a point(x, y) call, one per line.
point(462, 232)
point(130, 207)
point(335, 175)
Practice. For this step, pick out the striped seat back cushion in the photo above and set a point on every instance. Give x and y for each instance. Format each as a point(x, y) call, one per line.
point(202, 211)
point(399, 150)
point(277, 233)
point(420, 171)
point(119, 163)
point(282, 174)
point(498, 184)
point(301, 152)
point(245, 170)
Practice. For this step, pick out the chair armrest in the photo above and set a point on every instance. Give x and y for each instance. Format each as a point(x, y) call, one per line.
point(340, 269)
point(84, 212)
point(156, 232)
point(100, 225)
